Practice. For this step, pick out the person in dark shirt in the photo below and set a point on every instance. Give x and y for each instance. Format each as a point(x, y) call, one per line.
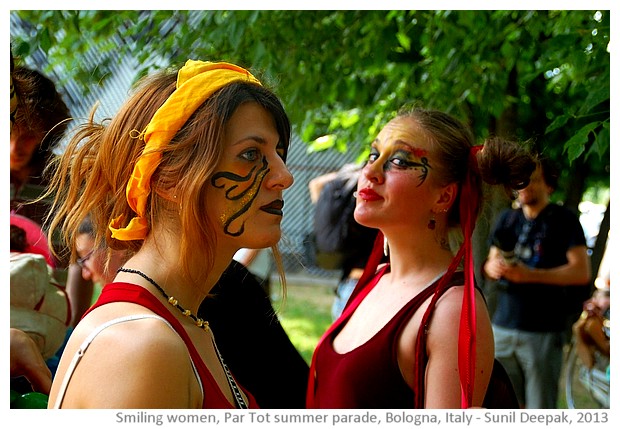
point(538, 255)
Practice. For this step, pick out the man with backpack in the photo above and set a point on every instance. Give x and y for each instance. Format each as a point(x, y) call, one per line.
point(341, 243)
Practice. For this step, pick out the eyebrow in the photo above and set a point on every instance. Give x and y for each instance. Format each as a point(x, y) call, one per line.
point(416, 151)
point(408, 147)
point(257, 139)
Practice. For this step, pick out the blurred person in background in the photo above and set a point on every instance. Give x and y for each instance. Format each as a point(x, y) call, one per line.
point(538, 255)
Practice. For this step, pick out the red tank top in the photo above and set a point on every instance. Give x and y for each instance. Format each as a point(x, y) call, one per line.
point(369, 376)
point(127, 292)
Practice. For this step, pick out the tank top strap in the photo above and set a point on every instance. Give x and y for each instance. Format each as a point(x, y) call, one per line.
point(81, 351)
point(129, 292)
point(421, 357)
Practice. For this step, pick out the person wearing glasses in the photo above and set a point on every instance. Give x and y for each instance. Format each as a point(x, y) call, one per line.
point(89, 269)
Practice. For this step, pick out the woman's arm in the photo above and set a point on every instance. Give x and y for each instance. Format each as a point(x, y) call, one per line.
point(27, 361)
point(442, 375)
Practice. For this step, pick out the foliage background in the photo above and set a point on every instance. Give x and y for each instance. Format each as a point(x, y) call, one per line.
point(541, 76)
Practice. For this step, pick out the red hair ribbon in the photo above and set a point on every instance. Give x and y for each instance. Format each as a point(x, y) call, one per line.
point(468, 207)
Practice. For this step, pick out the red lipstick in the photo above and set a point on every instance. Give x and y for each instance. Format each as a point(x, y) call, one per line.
point(368, 194)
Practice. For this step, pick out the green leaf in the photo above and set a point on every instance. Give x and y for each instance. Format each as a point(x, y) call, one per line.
point(601, 142)
point(322, 143)
point(404, 40)
point(558, 122)
point(45, 40)
point(575, 146)
point(595, 97)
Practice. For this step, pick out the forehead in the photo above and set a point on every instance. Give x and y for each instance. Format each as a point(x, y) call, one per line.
point(250, 115)
point(405, 132)
point(84, 243)
point(537, 175)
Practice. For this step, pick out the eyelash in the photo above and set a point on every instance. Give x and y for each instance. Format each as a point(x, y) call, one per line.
point(250, 155)
point(400, 163)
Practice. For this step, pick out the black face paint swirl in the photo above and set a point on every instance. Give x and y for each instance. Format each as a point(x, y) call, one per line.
point(423, 165)
point(246, 195)
point(401, 160)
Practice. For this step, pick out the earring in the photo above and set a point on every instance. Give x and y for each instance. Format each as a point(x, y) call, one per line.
point(386, 247)
point(432, 222)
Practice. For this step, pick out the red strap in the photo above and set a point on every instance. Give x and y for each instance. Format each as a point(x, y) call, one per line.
point(420, 346)
point(469, 202)
point(363, 287)
point(375, 257)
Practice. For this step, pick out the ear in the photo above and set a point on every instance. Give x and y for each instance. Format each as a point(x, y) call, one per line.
point(447, 196)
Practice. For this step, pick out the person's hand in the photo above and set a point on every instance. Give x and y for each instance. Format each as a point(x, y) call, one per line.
point(494, 267)
point(516, 273)
point(27, 361)
point(601, 300)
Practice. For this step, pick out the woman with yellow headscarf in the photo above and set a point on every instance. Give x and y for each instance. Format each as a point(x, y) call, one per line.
point(189, 171)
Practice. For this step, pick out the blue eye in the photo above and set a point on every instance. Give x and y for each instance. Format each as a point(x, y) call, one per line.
point(250, 155)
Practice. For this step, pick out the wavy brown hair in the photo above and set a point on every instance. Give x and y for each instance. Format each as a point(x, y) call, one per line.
point(91, 175)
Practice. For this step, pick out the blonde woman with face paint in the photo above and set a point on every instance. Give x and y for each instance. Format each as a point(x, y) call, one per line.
point(416, 332)
point(189, 171)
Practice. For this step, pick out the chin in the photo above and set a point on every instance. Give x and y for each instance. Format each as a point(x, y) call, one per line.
point(366, 219)
point(264, 239)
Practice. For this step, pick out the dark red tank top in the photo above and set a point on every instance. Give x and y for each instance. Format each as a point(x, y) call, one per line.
point(127, 292)
point(369, 375)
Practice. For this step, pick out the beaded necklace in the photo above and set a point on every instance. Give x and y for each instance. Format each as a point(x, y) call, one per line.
point(234, 387)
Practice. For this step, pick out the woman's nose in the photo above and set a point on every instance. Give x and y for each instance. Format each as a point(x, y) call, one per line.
point(279, 175)
point(374, 172)
point(86, 273)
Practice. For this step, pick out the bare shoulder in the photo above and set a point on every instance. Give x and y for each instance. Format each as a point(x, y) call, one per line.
point(138, 363)
point(448, 315)
point(443, 345)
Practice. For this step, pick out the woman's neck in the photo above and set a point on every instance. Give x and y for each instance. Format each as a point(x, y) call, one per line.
point(167, 272)
point(423, 258)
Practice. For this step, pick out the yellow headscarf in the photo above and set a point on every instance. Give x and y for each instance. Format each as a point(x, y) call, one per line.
point(196, 82)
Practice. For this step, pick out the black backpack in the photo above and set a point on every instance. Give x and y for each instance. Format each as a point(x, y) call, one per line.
point(337, 234)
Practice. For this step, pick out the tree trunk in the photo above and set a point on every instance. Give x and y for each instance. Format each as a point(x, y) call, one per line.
point(576, 184)
point(600, 245)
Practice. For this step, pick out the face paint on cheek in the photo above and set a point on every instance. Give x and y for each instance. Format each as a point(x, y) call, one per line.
point(242, 190)
point(424, 166)
point(401, 159)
